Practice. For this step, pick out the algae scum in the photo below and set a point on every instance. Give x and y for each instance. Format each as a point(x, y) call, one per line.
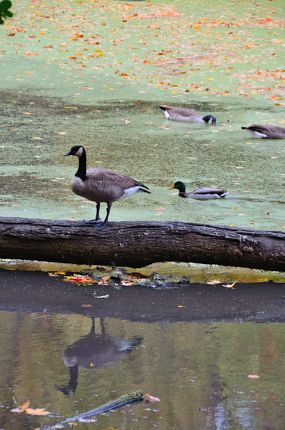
point(96, 72)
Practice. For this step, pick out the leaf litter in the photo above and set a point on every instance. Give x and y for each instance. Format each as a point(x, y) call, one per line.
point(125, 39)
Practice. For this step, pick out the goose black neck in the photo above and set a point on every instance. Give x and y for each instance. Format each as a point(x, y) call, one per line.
point(81, 172)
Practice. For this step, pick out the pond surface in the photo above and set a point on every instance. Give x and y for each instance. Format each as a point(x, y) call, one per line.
point(194, 348)
point(96, 73)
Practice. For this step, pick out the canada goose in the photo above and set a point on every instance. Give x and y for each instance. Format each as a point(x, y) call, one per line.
point(199, 193)
point(94, 351)
point(101, 185)
point(186, 115)
point(266, 131)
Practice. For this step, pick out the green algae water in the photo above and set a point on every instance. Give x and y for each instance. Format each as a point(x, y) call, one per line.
point(96, 72)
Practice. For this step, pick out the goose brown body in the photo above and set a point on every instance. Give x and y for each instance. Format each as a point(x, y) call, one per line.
point(182, 114)
point(103, 186)
point(268, 131)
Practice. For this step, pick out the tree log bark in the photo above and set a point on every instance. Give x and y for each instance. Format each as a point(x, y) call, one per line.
point(137, 244)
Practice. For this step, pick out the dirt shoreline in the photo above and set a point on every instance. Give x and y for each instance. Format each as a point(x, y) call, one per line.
point(37, 292)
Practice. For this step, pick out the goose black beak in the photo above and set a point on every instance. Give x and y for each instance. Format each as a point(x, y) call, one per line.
point(67, 154)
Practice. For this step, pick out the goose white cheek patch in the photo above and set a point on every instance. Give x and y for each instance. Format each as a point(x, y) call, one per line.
point(79, 152)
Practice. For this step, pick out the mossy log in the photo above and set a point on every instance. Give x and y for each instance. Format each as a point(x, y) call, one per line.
point(137, 244)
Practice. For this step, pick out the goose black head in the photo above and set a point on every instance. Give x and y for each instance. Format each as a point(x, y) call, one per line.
point(76, 150)
point(210, 119)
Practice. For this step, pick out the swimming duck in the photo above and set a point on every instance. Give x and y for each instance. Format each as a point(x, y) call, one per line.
point(266, 131)
point(101, 185)
point(186, 115)
point(205, 193)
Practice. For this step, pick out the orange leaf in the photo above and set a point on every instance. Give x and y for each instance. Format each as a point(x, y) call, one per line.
point(22, 407)
point(39, 411)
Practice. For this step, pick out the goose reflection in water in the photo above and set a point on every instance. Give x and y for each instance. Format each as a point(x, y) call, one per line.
point(94, 351)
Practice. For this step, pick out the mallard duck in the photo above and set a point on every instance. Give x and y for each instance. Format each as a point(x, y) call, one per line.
point(186, 115)
point(101, 185)
point(266, 131)
point(205, 193)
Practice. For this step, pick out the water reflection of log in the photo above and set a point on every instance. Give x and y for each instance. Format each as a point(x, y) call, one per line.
point(94, 351)
point(137, 244)
point(36, 292)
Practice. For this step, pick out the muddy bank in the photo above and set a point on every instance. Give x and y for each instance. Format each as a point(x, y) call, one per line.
point(37, 292)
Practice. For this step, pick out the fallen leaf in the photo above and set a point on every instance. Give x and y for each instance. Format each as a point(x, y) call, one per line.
point(213, 282)
point(127, 283)
point(253, 376)
point(24, 408)
point(230, 285)
point(150, 399)
point(39, 411)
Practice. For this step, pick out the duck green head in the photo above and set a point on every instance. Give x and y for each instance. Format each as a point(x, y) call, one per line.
point(180, 186)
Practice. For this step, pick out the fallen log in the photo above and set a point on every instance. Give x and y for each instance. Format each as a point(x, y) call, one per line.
point(137, 244)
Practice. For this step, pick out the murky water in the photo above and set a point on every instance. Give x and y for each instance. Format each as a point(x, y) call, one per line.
point(193, 347)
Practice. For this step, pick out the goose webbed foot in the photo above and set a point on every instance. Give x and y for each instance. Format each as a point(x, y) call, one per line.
point(92, 221)
point(101, 225)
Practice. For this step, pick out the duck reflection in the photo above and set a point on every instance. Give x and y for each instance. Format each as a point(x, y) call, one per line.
point(94, 351)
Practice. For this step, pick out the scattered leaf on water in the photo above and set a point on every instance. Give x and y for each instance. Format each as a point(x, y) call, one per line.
point(253, 376)
point(24, 408)
point(150, 399)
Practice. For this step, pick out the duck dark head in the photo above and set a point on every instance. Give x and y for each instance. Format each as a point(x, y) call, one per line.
point(210, 119)
point(180, 186)
point(76, 150)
